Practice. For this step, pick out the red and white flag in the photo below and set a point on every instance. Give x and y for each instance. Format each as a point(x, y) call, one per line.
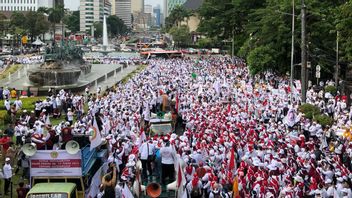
point(95, 138)
point(181, 180)
point(126, 193)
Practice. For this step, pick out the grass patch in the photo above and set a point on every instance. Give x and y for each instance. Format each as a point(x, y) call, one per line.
point(10, 70)
point(27, 103)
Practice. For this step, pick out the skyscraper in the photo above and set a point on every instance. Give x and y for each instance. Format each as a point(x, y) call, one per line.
point(157, 15)
point(92, 11)
point(22, 6)
point(137, 6)
point(123, 11)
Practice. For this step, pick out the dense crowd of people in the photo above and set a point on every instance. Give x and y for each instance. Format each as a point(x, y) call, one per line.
point(236, 135)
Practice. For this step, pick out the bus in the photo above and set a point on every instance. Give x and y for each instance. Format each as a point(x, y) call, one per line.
point(53, 190)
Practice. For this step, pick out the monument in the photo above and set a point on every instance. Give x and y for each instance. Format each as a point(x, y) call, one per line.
point(62, 66)
point(105, 48)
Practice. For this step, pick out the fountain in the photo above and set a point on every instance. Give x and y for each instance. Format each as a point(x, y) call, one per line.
point(62, 66)
point(105, 48)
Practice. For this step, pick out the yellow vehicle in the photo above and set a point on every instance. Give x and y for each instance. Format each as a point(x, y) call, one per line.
point(53, 190)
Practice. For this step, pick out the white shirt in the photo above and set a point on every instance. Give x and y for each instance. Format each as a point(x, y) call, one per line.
point(143, 149)
point(7, 171)
point(7, 105)
point(167, 155)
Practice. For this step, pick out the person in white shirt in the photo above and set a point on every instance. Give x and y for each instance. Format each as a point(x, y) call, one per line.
point(70, 116)
point(7, 175)
point(18, 104)
point(7, 105)
point(167, 155)
point(147, 150)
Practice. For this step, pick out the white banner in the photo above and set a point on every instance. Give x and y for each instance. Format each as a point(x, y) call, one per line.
point(47, 163)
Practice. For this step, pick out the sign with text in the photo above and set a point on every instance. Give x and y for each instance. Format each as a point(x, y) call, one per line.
point(55, 163)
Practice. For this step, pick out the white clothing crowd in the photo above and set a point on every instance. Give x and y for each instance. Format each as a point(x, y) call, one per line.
point(241, 136)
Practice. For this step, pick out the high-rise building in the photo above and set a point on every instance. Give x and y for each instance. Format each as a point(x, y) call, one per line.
point(157, 15)
point(123, 11)
point(165, 9)
point(148, 9)
point(137, 6)
point(24, 5)
point(113, 11)
point(92, 11)
point(172, 3)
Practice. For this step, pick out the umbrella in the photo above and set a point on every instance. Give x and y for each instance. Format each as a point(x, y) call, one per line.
point(38, 42)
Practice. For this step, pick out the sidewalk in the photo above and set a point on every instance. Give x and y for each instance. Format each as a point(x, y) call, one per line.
point(114, 79)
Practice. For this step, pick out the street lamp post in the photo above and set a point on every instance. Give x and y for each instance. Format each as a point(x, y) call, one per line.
point(303, 54)
point(292, 45)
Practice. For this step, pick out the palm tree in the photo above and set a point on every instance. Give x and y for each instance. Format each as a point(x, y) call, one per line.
point(55, 16)
point(178, 14)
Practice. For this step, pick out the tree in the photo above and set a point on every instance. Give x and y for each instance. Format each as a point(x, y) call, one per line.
point(344, 24)
point(55, 15)
point(36, 24)
point(17, 20)
point(72, 21)
point(177, 15)
point(116, 26)
point(98, 26)
point(181, 35)
point(3, 23)
point(261, 59)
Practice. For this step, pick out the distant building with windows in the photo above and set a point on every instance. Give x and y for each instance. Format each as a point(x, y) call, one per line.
point(25, 5)
point(157, 15)
point(93, 11)
point(123, 11)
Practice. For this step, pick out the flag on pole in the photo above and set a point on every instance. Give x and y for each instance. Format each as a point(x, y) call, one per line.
point(142, 136)
point(126, 193)
point(236, 193)
point(181, 181)
point(232, 163)
point(177, 102)
point(95, 138)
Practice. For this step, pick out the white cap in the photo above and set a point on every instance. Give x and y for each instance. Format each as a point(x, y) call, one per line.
point(7, 159)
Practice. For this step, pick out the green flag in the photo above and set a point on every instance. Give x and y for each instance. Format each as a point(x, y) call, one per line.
point(194, 75)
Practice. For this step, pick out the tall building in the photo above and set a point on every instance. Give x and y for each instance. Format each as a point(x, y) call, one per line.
point(92, 11)
point(123, 11)
point(165, 9)
point(107, 8)
point(113, 11)
point(24, 5)
point(157, 15)
point(172, 3)
point(137, 6)
point(148, 9)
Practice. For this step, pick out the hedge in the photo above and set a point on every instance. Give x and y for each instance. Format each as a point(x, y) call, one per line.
point(309, 110)
point(331, 89)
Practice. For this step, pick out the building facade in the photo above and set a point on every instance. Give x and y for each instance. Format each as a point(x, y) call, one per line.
point(123, 11)
point(92, 11)
point(157, 15)
point(25, 5)
point(137, 6)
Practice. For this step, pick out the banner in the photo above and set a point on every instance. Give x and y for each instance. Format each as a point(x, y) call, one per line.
point(96, 180)
point(55, 163)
